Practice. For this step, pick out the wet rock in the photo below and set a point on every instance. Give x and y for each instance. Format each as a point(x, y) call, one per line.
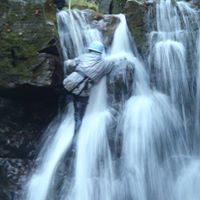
point(107, 24)
point(135, 12)
point(120, 87)
point(120, 82)
point(13, 174)
point(105, 6)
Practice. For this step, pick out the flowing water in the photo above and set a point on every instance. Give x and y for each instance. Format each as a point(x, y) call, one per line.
point(72, 26)
point(158, 127)
point(41, 181)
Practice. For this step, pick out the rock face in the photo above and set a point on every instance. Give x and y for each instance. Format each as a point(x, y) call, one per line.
point(117, 6)
point(21, 125)
point(25, 28)
point(110, 6)
point(107, 25)
point(136, 15)
point(105, 6)
point(119, 83)
point(135, 12)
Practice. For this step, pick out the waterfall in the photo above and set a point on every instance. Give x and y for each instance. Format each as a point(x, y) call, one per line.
point(94, 178)
point(158, 126)
point(171, 59)
point(75, 33)
point(147, 168)
point(41, 181)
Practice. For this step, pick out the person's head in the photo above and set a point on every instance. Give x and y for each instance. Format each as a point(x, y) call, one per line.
point(96, 46)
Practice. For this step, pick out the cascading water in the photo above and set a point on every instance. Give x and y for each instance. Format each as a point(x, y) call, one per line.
point(41, 181)
point(171, 57)
point(94, 178)
point(75, 33)
point(173, 60)
point(155, 161)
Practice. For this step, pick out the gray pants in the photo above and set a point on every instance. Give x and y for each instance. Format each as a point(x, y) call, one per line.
point(79, 102)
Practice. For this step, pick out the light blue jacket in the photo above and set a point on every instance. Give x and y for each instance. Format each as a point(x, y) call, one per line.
point(85, 71)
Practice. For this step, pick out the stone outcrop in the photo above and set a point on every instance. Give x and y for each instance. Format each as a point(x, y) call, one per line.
point(120, 82)
point(107, 25)
point(136, 15)
point(135, 12)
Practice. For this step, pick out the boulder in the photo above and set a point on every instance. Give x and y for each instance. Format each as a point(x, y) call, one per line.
point(107, 24)
point(120, 83)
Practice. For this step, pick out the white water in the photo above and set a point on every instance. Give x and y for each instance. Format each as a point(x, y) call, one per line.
point(75, 33)
point(174, 59)
point(157, 160)
point(42, 179)
point(187, 185)
point(93, 171)
point(173, 56)
point(121, 41)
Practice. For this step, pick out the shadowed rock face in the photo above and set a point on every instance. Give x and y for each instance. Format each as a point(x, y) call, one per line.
point(22, 123)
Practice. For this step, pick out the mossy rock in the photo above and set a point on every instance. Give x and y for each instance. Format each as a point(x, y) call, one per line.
point(25, 27)
point(118, 6)
point(135, 15)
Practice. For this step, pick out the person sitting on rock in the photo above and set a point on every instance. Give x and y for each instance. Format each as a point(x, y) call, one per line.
point(84, 72)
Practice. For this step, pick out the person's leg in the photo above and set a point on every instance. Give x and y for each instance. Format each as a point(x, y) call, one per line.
point(64, 97)
point(80, 104)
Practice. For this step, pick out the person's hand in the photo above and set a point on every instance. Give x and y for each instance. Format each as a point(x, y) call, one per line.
point(69, 62)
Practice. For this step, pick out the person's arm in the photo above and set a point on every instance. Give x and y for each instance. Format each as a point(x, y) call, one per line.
point(106, 66)
point(71, 64)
